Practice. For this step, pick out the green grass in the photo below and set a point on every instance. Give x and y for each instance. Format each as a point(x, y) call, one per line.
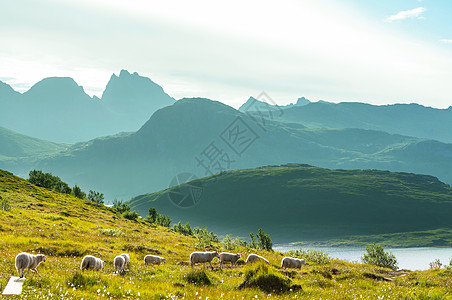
point(66, 229)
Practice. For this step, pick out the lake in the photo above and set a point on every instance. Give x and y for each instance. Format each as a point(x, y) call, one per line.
point(408, 258)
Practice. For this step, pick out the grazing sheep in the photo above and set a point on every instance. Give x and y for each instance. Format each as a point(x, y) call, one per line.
point(127, 259)
point(225, 257)
point(153, 259)
point(254, 257)
point(28, 261)
point(203, 257)
point(292, 262)
point(90, 262)
point(119, 263)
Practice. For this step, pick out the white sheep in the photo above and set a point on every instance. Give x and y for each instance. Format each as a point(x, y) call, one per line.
point(203, 257)
point(153, 259)
point(90, 262)
point(126, 258)
point(28, 261)
point(292, 262)
point(254, 257)
point(119, 263)
point(225, 257)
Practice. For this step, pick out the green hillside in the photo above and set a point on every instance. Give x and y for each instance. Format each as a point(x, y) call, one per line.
point(301, 202)
point(65, 228)
point(175, 136)
point(14, 145)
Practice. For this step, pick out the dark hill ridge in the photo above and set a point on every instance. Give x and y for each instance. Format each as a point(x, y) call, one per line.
point(58, 109)
point(175, 136)
point(300, 202)
point(405, 119)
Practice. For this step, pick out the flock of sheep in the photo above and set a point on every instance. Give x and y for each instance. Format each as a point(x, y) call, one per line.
point(30, 261)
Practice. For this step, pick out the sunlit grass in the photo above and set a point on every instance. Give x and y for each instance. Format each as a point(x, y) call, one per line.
point(66, 229)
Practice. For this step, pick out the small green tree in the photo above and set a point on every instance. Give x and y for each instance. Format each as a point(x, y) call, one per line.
point(163, 220)
point(184, 229)
point(152, 215)
point(131, 215)
point(264, 240)
point(120, 206)
point(77, 192)
point(375, 255)
point(96, 197)
point(62, 187)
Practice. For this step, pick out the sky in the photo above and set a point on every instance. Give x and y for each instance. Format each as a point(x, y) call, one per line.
point(375, 51)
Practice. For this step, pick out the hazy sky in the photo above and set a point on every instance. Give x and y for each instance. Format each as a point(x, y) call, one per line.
point(376, 51)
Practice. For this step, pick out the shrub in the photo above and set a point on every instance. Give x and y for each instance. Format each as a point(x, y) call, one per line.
point(47, 180)
point(315, 256)
point(436, 264)
point(96, 197)
point(261, 241)
point(152, 215)
point(183, 229)
point(77, 192)
point(120, 206)
point(375, 255)
point(4, 204)
point(163, 220)
point(131, 215)
point(205, 237)
point(260, 275)
point(197, 277)
point(232, 244)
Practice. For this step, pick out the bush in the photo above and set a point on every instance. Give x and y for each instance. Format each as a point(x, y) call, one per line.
point(183, 229)
point(77, 192)
point(47, 180)
point(315, 256)
point(436, 264)
point(120, 206)
point(152, 215)
point(131, 215)
point(261, 276)
point(232, 244)
point(205, 237)
point(375, 255)
point(96, 197)
point(163, 220)
point(197, 277)
point(261, 241)
point(4, 204)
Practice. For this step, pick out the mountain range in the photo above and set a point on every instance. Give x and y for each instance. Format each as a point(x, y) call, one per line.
point(58, 109)
point(204, 137)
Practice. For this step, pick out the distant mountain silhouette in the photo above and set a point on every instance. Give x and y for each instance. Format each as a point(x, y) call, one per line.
point(183, 137)
point(58, 109)
point(253, 104)
point(406, 119)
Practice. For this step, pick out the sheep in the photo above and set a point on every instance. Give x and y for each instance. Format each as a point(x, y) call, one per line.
point(153, 259)
point(203, 257)
point(127, 259)
point(93, 263)
point(119, 263)
point(292, 262)
point(28, 261)
point(254, 257)
point(225, 257)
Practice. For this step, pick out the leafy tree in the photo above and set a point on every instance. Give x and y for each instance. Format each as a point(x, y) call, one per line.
point(152, 215)
point(77, 192)
point(375, 255)
point(184, 229)
point(264, 241)
point(131, 215)
point(163, 220)
point(62, 187)
point(96, 197)
point(120, 206)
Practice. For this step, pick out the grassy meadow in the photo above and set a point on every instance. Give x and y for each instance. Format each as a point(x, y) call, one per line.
point(65, 228)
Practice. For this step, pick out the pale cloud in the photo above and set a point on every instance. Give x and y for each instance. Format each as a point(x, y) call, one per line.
point(446, 41)
point(407, 14)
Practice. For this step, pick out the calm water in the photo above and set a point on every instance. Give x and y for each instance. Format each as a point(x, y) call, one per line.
point(408, 258)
